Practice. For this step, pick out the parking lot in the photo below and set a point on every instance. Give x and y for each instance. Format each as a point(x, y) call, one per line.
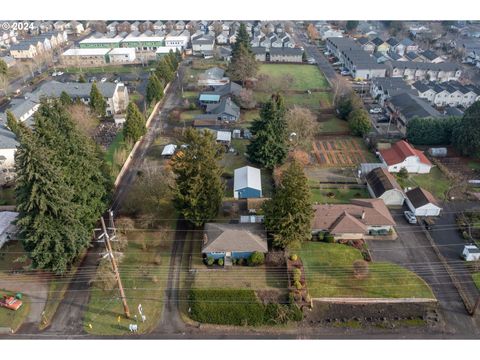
point(413, 250)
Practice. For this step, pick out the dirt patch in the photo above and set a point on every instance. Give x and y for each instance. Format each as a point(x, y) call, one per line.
point(275, 259)
point(384, 315)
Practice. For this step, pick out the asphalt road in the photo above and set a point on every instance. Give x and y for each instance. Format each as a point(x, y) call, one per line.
point(413, 250)
point(451, 243)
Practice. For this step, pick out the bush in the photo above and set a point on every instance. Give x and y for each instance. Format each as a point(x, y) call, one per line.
point(220, 262)
point(360, 269)
point(294, 257)
point(403, 173)
point(321, 236)
point(297, 274)
point(210, 260)
point(329, 238)
point(298, 285)
point(465, 235)
point(291, 298)
point(257, 258)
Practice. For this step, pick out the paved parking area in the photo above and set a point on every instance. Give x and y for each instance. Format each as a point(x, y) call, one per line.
point(413, 250)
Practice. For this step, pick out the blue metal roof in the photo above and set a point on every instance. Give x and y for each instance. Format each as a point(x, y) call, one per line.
point(209, 97)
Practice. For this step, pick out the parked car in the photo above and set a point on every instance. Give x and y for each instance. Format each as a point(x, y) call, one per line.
point(311, 61)
point(326, 53)
point(337, 63)
point(60, 73)
point(344, 72)
point(103, 79)
point(361, 83)
point(93, 79)
point(410, 216)
point(10, 302)
point(54, 74)
point(376, 110)
point(428, 223)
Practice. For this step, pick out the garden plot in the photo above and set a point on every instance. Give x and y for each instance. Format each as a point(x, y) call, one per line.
point(345, 152)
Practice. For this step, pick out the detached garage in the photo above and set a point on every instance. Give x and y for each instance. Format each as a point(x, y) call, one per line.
point(422, 203)
point(247, 183)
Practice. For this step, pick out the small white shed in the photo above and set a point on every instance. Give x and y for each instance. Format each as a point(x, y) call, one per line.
point(422, 203)
point(169, 150)
point(471, 253)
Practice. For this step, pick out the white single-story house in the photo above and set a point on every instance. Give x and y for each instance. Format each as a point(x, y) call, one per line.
point(403, 155)
point(422, 203)
point(247, 183)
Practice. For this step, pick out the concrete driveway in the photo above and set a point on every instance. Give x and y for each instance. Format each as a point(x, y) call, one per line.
point(413, 250)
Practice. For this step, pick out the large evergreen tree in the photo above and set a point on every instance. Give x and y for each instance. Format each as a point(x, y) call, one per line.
point(466, 136)
point(164, 71)
point(359, 122)
point(269, 145)
point(242, 39)
point(198, 187)
point(154, 89)
point(97, 101)
point(65, 99)
point(243, 64)
point(61, 189)
point(289, 213)
point(134, 126)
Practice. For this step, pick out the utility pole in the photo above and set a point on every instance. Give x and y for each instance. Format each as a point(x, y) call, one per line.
point(115, 268)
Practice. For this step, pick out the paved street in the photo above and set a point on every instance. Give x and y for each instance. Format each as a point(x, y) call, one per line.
point(413, 250)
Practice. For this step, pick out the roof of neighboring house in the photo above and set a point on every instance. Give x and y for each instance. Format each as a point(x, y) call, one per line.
point(365, 168)
point(7, 138)
point(258, 50)
point(226, 106)
point(24, 45)
point(453, 111)
point(430, 55)
point(412, 106)
point(224, 136)
point(86, 52)
point(247, 176)
point(381, 181)
point(286, 51)
point(443, 66)
point(347, 217)
point(400, 151)
point(55, 89)
point(214, 73)
point(420, 197)
point(363, 40)
point(421, 86)
point(392, 41)
point(209, 97)
point(6, 219)
point(231, 88)
point(220, 237)
point(377, 41)
point(407, 41)
point(204, 40)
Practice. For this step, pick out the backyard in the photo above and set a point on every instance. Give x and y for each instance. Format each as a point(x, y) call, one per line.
point(304, 76)
point(338, 195)
point(435, 182)
point(329, 272)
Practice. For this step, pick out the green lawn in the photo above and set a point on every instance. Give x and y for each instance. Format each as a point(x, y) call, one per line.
point(329, 272)
point(476, 279)
point(435, 182)
point(144, 281)
point(340, 196)
point(192, 96)
point(232, 161)
point(7, 195)
point(116, 144)
point(313, 101)
point(189, 114)
point(474, 165)
point(14, 319)
point(304, 76)
point(334, 125)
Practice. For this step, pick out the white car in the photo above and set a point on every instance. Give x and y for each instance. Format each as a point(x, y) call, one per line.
point(410, 216)
point(54, 74)
point(326, 53)
point(59, 73)
point(376, 111)
point(345, 73)
point(103, 79)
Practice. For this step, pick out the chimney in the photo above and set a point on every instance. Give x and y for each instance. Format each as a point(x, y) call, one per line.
point(363, 214)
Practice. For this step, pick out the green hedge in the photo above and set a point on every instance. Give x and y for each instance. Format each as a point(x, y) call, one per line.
point(230, 307)
point(238, 307)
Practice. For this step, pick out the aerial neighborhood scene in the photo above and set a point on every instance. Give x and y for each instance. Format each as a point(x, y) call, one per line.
point(206, 179)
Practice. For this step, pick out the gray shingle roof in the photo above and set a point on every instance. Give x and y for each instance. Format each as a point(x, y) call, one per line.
point(444, 66)
point(234, 237)
point(412, 106)
point(7, 138)
point(286, 51)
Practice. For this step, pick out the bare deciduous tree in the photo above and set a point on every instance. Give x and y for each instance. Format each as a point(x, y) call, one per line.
point(84, 118)
point(245, 99)
point(303, 123)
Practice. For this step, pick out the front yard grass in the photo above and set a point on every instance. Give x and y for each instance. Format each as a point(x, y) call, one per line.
point(144, 281)
point(338, 196)
point(329, 271)
point(305, 76)
point(435, 182)
point(14, 319)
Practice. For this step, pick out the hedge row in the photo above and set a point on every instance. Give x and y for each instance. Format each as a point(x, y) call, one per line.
point(237, 307)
